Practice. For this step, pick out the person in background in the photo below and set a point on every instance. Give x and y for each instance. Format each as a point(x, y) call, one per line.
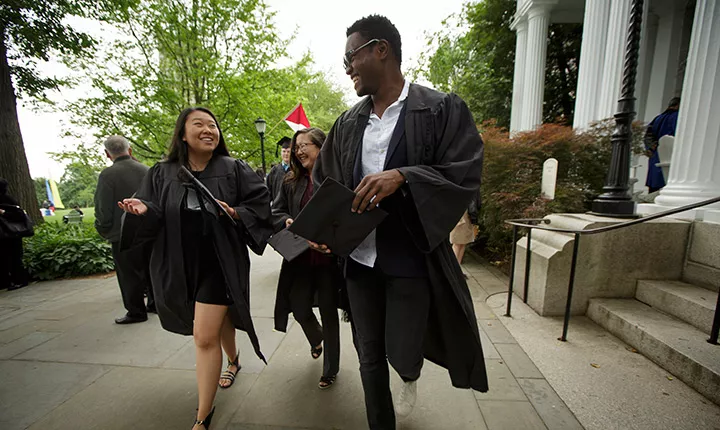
point(12, 271)
point(117, 182)
point(311, 274)
point(278, 172)
point(662, 125)
point(200, 265)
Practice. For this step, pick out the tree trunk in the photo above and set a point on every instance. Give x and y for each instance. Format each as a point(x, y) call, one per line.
point(13, 161)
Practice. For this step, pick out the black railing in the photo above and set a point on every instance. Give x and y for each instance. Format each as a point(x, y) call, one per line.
point(531, 224)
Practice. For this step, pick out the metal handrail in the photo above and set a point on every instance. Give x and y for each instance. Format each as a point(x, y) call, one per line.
point(534, 223)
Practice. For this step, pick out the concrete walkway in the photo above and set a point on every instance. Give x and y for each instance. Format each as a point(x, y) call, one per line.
point(64, 364)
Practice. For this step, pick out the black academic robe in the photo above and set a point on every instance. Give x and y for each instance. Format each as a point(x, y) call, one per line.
point(444, 152)
point(287, 205)
point(275, 180)
point(231, 181)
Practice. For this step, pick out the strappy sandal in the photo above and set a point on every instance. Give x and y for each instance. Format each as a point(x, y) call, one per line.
point(228, 375)
point(316, 352)
point(206, 422)
point(326, 382)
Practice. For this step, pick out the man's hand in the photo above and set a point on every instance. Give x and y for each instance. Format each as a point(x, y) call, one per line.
point(133, 206)
point(374, 188)
point(229, 209)
point(319, 248)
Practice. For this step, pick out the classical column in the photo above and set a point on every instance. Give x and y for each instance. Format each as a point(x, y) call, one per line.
point(534, 84)
point(592, 55)
point(521, 28)
point(614, 57)
point(695, 164)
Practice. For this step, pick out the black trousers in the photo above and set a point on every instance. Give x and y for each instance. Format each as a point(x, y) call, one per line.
point(131, 267)
point(389, 317)
point(12, 270)
point(307, 280)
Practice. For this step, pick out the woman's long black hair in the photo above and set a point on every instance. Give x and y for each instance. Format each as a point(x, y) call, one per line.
point(178, 147)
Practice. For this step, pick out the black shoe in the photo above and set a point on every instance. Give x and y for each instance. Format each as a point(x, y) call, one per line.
point(206, 422)
point(16, 286)
point(151, 309)
point(127, 319)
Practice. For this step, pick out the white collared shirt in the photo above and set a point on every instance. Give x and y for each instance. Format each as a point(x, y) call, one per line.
point(376, 141)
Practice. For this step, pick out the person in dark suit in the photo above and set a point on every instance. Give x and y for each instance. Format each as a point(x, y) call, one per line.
point(310, 274)
point(12, 272)
point(117, 182)
point(278, 171)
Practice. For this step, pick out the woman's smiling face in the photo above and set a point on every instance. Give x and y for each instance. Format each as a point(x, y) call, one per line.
point(201, 132)
point(306, 151)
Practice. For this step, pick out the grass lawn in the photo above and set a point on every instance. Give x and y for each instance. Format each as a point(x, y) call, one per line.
point(89, 215)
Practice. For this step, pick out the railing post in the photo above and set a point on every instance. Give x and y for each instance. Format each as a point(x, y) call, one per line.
point(716, 323)
point(512, 272)
point(528, 255)
point(571, 285)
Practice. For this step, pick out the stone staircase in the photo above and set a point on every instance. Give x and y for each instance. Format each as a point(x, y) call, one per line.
point(669, 322)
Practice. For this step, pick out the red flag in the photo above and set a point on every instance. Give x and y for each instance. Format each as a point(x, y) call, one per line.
point(296, 119)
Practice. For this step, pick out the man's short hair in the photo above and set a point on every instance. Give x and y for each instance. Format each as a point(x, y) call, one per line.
point(674, 102)
point(378, 27)
point(117, 145)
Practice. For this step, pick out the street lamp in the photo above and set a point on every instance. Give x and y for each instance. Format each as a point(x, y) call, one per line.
point(616, 199)
point(260, 127)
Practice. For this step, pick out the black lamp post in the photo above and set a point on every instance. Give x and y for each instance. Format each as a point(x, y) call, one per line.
point(616, 199)
point(260, 127)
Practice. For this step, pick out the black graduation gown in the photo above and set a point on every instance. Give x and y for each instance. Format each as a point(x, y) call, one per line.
point(444, 152)
point(287, 205)
point(275, 181)
point(231, 181)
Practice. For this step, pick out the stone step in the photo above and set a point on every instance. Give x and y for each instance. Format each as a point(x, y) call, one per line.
point(692, 304)
point(674, 345)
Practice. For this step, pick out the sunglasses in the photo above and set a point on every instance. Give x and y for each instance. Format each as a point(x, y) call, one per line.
point(348, 57)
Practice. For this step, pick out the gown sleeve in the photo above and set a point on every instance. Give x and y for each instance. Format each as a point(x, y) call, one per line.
point(280, 209)
point(438, 194)
point(139, 229)
point(253, 207)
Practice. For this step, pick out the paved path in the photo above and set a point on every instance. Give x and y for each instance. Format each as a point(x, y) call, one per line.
point(64, 364)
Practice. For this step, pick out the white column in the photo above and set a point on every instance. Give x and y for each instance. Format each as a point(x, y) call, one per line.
point(592, 55)
point(695, 166)
point(614, 57)
point(519, 77)
point(534, 84)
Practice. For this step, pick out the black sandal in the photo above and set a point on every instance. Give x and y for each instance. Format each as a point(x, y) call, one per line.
point(316, 352)
point(326, 382)
point(206, 422)
point(230, 376)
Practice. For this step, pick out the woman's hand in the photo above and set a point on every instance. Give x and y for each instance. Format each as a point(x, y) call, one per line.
point(133, 206)
point(288, 222)
point(229, 210)
point(323, 249)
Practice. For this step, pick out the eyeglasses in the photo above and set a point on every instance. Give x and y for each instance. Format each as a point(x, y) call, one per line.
point(348, 57)
point(301, 147)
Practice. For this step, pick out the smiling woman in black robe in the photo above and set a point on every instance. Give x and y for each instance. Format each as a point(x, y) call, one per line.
point(200, 267)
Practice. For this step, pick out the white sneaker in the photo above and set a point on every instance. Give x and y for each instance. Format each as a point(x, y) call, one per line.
point(406, 400)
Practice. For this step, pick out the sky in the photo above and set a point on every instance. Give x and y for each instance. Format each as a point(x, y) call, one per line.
point(320, 28)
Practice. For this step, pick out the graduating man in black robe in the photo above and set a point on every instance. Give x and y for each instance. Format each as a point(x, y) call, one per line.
point(417, 154)
point(277, 173)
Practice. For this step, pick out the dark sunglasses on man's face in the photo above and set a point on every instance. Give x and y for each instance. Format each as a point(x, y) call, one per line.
point(348, 57)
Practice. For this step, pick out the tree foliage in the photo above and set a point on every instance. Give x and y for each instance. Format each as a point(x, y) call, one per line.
point(477, 62)
point(214, 53)
point(32, 31)
point(79, 181)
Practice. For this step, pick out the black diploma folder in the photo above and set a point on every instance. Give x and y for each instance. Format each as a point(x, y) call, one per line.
point(328, 220)
point(288, 244)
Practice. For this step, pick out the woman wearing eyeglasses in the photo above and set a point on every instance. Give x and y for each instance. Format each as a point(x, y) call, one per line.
point(311, 277)
point(200, 267)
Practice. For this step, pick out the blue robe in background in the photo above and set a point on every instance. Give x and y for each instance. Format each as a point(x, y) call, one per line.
point(663, 125)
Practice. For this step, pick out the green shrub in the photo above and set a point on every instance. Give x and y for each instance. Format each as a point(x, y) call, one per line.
point(61, 251)
point(512, 174)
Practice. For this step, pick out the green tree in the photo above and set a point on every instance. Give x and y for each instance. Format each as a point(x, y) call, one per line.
point(478, 64)
point(79, 181)
point(32, 31)
point(214, 53)
point(40, 189)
